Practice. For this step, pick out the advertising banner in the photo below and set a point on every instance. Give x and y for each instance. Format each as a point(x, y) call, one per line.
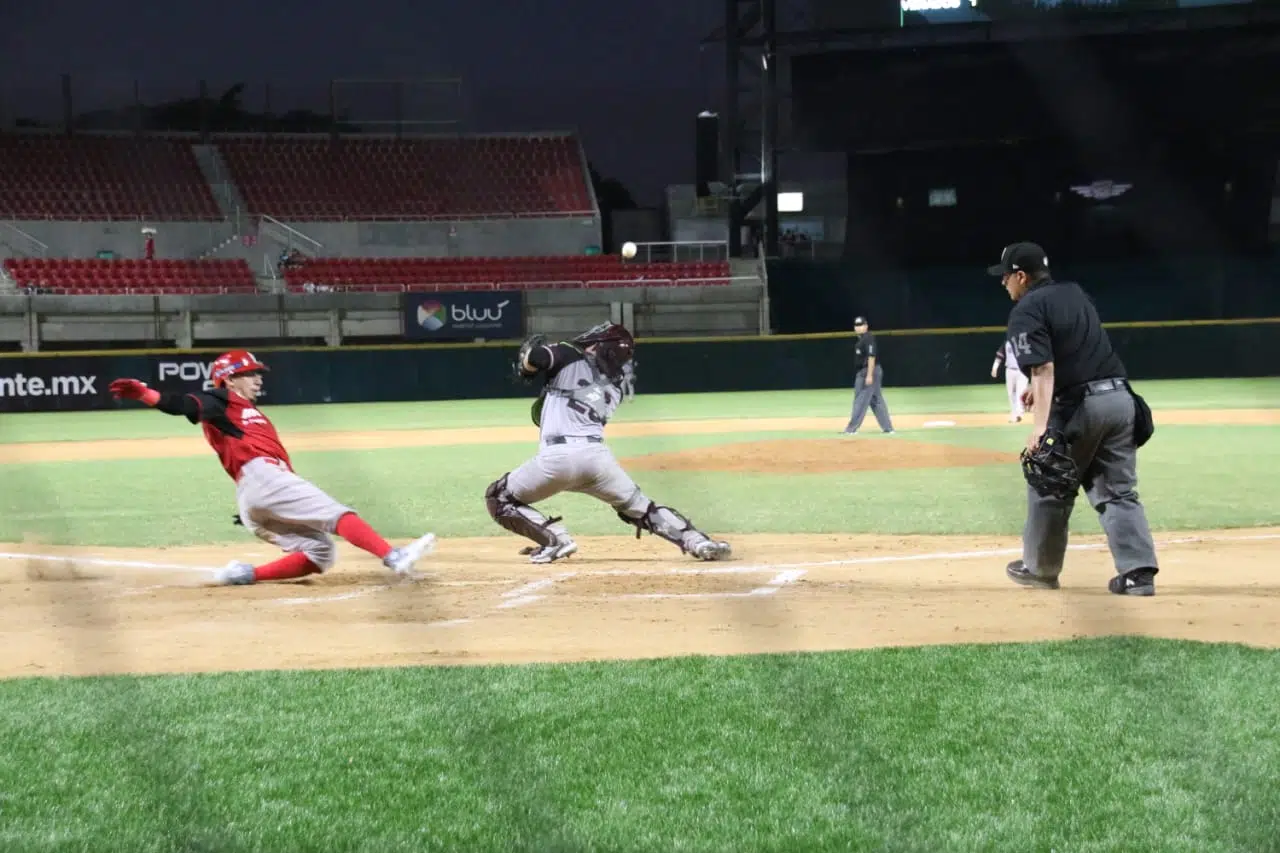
point(463, 315)
point(59, 383)
point(52, 384)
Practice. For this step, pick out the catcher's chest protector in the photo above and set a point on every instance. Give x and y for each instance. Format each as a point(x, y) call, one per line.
point(588, 397)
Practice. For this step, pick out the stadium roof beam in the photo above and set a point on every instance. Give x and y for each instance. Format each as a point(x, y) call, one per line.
point(1023, 29)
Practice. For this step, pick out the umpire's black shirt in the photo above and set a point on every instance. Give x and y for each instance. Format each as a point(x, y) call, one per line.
point(865, 349)
point(1056, 321)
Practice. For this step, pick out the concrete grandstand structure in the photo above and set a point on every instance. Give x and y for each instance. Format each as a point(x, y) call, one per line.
point(236, 218)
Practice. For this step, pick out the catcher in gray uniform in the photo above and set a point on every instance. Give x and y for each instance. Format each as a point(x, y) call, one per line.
point(584, 381)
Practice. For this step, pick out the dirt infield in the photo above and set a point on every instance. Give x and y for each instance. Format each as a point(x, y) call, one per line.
point(818, 456)
point(119, 611)
point(94, 610)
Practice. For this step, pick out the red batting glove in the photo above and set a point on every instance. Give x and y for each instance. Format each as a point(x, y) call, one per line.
point(132, 389)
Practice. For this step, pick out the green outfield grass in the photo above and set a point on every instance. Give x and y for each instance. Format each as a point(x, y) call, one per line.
point(408, 490)
point(1087, 746)
point(132, 422)
point(1090, 746)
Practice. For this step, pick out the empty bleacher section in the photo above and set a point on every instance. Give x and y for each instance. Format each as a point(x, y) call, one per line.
point(523, 273)
point(92, 276)
point(374, 215)
point(308, 179)
point(101, 177)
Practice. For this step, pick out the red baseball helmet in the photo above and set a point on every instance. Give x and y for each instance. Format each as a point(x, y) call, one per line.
point(234, 363)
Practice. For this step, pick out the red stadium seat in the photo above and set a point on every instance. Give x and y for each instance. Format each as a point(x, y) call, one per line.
point(71, 275)
point(446, 177)
point(102, 177)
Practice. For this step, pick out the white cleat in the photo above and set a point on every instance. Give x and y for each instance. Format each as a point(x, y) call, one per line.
point(563, 547)
point(234, 573)
point(401, 560)
point(710, 549)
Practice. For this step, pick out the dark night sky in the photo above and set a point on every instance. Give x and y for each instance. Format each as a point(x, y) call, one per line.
point(627, 73)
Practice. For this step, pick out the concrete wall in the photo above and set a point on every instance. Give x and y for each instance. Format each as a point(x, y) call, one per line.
point(476, 238)
point(185, 321)
point(176, 240)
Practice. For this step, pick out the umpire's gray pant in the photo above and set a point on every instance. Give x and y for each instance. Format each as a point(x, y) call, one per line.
point(1101, 437)
point(864, 396)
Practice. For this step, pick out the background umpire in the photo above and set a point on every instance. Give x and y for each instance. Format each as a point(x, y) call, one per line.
point(1079, 393)
point(867, 381)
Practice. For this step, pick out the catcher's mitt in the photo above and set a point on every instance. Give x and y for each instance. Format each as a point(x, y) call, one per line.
point(517, 366)
point(1049, 469)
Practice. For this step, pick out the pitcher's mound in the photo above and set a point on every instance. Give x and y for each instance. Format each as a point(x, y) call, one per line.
point(819, 456)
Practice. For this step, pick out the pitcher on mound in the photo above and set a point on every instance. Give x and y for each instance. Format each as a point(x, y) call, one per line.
point(274, 503)
point(1015, 381)
point(584, 382)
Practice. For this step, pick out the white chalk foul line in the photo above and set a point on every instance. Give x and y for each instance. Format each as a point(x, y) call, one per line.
point(325, 599)
point(995, 552)
point(97, 561)
point(776, 583)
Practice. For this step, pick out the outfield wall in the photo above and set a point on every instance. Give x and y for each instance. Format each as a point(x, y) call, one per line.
point(33, 323)
point(66, 381)
point(811, 296)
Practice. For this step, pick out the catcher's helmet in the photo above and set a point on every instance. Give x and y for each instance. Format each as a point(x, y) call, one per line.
point(614, 346)
point(234, 363)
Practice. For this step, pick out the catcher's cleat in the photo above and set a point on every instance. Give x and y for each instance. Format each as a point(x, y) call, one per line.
point(562, 547)
point(710, 549)
point(1018, 573)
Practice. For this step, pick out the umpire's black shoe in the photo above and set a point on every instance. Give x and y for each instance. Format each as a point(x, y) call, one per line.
point(1134, 582)
point(1018, 573)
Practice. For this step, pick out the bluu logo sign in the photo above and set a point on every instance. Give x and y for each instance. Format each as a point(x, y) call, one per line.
point(188, 371)
point(463, 315)
point(467, 314)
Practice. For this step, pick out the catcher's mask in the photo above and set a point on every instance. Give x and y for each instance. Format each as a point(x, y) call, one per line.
point(234, 363)
point(614, 346)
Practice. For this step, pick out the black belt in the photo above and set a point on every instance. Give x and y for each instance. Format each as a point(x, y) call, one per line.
point(1102, 386)
point(1097, 386)
point(560, 439)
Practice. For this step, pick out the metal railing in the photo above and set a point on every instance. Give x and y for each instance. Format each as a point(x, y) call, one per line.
point(26, 242)
point(156, 290)
point(493, 216)
point(291, 237)
point(680, 251)
point(568, 284)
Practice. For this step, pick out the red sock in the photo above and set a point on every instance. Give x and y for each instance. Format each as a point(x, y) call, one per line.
point(288, 566)
point(353, 528)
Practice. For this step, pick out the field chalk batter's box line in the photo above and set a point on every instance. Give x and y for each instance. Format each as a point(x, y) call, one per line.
point(531, 592)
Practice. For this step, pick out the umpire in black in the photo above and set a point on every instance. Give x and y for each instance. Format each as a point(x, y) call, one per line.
point(1078, 387)
point(867, 381)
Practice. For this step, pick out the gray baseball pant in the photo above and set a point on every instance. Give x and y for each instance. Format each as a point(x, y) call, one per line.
point(864, 397)
point(1100, 433)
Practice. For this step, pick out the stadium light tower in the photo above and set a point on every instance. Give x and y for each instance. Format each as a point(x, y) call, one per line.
point(749, 118)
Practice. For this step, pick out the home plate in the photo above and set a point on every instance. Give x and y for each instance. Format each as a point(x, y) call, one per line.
point(939, 423)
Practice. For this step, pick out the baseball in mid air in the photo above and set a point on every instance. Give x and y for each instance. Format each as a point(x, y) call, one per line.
point(628, 249)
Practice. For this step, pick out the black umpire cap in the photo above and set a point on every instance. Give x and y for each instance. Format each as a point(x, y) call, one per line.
point(859, 321)
point(1020, 257)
